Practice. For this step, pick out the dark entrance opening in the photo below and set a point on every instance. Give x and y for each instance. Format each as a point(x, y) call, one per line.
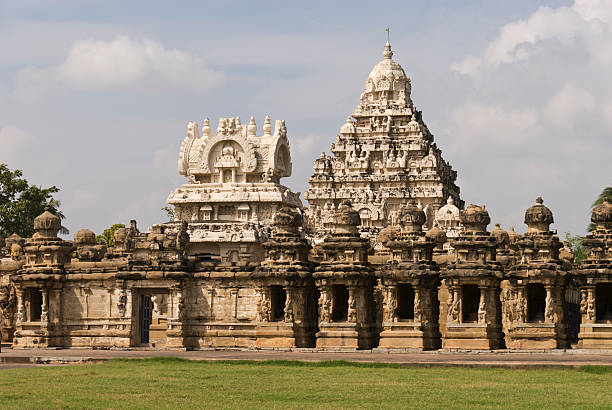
point(405, 302)
point(603, 303)
point(146, 317)
point(278, 298)
point(36, 301)
point(340, 297)
point(470, 299)
point(536, 302)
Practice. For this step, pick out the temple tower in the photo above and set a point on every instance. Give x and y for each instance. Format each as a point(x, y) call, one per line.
point(595, 281)
point(534, 308)
point(286, 309)
point(384, 155)
point(234, 188)
point(409, 285)
point(345, 281)
point(473, 306)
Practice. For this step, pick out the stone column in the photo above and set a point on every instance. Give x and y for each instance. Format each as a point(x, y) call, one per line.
point(263, 305)
point(418, 314)
point(454, 301)
point(289, 314)
point(233, 175)
point(389, 303)
point(20, 307)
point(591, 308)
point(234, 293)
point(211, 302)
point(549, 312)
point(352, 304)
point(482, 305)
point(324, 304)
point(520, 305)
point(44, 316)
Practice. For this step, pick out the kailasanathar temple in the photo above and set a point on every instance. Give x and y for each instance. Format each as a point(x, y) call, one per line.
point(386, 255)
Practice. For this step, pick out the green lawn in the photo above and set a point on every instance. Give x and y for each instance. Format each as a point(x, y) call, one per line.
point(176, 383)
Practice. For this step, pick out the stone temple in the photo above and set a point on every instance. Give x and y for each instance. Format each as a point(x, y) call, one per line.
point(384, 155)
point(385, 256)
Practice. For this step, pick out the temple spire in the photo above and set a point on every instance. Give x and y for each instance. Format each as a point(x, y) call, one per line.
point(388, 53)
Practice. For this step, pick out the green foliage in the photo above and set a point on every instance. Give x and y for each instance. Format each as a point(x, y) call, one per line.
point(169, 210)
point(605, 194)
point(21, 202)
point(575, 244)
point(108, 236)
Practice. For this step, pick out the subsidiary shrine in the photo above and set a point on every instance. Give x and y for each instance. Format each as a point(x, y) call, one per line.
point(385, 256)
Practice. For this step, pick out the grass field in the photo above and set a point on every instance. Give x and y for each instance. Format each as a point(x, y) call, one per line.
point(177, 383)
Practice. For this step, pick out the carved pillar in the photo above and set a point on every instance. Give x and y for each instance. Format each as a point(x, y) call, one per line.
point(122, 304)
point(324, 304)
point(44, 315)
point(520, 306)
point(591, 313)
point(482, 305)
point(418, 314)
point(352, 304)
point(211, 302)
point(289, 315)
point(584, 298)
point(390, 303)
point(454, 301)
point(20, 307)
point(549, 311)
point(234, 293)
point(263, 305)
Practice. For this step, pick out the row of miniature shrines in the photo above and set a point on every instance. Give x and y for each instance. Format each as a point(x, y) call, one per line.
point(494, 292)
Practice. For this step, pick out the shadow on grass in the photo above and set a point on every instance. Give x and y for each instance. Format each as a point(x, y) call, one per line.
point(287, 363)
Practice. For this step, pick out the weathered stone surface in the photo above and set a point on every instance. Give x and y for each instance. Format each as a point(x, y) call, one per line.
point(377, 262)
point(384, 155)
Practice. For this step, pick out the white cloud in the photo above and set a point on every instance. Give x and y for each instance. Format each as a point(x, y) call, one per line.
point(571, 104)
point(477, 125)
point(518, 41)
point(14, 142)
point(121, 63)
point(539, 105)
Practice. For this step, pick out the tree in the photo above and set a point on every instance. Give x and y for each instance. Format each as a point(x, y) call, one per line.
point(108, 236)
point(21, 202)
point(169, 210)
point(605, 194)
point(575, 244)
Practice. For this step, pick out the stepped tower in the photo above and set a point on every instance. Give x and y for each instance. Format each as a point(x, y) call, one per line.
point(384, 155)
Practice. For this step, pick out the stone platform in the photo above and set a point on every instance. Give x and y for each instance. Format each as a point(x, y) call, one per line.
point(10, 358)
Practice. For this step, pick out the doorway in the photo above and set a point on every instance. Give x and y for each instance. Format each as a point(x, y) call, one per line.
point(146, 317)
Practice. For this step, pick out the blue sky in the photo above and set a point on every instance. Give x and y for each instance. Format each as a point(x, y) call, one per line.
point(95, 96)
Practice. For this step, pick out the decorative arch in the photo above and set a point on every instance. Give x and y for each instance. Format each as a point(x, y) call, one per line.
point(250, 162)
point(281, 153)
